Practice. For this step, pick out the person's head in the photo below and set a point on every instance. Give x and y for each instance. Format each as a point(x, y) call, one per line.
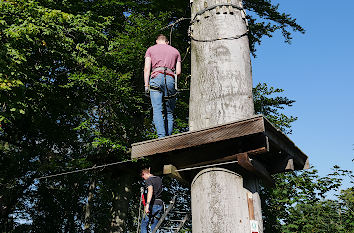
point(145, 173)
point(161, 39)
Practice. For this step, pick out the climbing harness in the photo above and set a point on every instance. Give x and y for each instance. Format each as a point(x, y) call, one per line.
point(165, 71)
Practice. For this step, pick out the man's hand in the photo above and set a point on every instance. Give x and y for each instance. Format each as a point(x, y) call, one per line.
point(147, 91)
point(147, 208)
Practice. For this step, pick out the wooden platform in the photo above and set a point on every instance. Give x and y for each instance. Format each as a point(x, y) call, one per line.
point(255, 143)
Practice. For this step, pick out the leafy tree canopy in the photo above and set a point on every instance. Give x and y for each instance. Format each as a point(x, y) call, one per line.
point(71, 97)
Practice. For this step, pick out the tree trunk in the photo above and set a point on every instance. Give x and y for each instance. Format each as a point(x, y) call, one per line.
point(221, 84)
point(87, 208)
point(121, 195)
point(219, 202)
point(221, 92)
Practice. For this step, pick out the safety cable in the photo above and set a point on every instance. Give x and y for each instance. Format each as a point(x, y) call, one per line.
point(223, 38)
point(85, 169)
point(209, 165)
point(172, 25)
point(186, 54)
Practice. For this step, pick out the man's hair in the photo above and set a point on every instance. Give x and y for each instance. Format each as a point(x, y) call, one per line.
point(145, 170)
point(162, 37)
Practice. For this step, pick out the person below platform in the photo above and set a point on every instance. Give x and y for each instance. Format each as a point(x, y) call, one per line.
point(154, 205)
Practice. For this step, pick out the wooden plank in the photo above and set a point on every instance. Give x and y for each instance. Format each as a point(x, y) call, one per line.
point(282, 165)
point(307, 164)
point(250, 206)
point(255, 167)
point(280, 147)
point(171, 171)
point(223, 143)
point(196, 138)
point(280, 140)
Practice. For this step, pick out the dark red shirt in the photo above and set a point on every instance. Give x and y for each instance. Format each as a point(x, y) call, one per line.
point(163, 55)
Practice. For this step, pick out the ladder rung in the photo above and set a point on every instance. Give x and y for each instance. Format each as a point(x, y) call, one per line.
point(178, 212)
point(169, 228)
point(182, 223)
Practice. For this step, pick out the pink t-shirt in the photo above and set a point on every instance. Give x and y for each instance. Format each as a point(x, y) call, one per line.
point(163, 55)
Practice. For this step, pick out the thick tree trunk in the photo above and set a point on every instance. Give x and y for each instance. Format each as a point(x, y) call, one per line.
point(221, 84)
point(87, 207)
point(120, 203)
point(221, 92)
point(219, 202)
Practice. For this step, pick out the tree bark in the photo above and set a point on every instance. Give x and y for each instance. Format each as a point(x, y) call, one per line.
point(221, 92)
point(219, 202)
point(120, 203)
point(87, 207)
point(221, 83)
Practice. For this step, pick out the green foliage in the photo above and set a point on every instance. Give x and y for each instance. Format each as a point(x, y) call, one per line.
point(265, 19)
point(71, 97)
point(69, 100)
point(269, 106)
point(298, 203)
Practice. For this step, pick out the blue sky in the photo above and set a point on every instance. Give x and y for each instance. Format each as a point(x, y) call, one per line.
point(316, 70)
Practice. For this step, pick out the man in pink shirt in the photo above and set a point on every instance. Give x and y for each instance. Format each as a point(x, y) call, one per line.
point(164, 63)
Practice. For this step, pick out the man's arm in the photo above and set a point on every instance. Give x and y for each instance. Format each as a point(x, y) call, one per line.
point(147, 69)
point(148, 198)
point(178, 68)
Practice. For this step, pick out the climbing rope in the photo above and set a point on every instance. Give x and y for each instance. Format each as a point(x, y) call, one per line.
point(141, 198)
point(222, 38)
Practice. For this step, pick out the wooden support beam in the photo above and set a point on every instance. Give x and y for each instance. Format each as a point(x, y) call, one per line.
point(255, 167)
point(307, 164)
point(281, 141)
point(227, 158)
point(171, 171)
point(282, 165)
point(289, 165)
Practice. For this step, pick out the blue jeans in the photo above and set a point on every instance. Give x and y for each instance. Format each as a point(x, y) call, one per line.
point(151, 218)
point(163, 122)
